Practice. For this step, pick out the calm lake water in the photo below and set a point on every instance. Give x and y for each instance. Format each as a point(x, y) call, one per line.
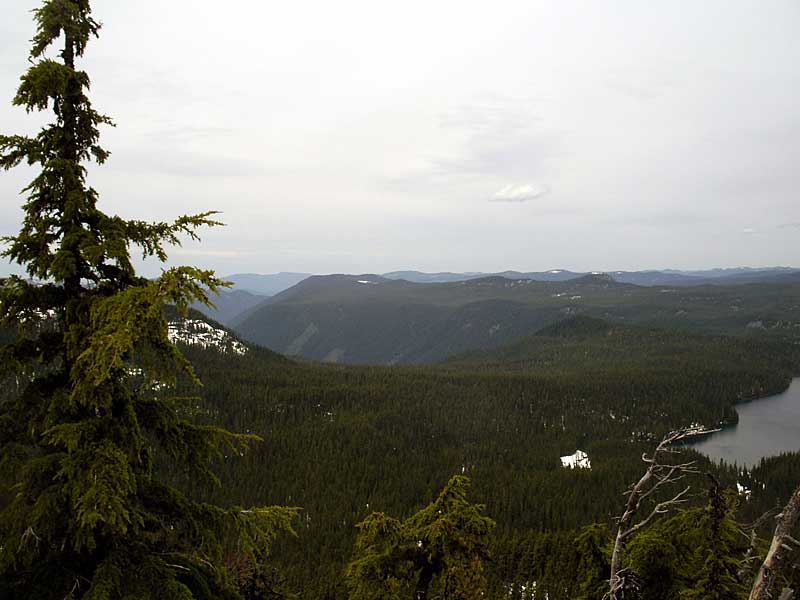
point(766, 427)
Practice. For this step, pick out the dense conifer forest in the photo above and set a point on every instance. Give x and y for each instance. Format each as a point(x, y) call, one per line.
point(146, 453)
point(343, 441)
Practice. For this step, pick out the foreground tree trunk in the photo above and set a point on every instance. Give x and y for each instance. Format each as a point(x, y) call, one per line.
point(657, 474)
point(423, 583)
point(84, 512)
point(765, 586)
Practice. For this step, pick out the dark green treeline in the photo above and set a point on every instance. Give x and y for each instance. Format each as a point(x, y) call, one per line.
point(344, 441)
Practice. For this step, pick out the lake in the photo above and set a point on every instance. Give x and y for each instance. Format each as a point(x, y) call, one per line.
point(766, 427)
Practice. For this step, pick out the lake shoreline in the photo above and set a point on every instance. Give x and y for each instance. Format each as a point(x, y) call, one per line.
point(767, 425)
point(726, 425)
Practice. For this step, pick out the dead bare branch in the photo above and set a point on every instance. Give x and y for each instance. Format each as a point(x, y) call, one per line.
point(766, 583)
point(750, 531)
point(658, 474)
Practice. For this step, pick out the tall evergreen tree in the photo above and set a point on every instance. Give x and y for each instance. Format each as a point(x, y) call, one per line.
point(83, 513)
point(446, 540)
point(720, 559)
point(593, 545)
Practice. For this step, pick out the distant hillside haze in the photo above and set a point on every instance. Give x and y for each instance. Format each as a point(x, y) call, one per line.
point(420, 277)
point(274, 283)
point(647, 277)
point(407, 337)
point(265, 285)
point(229, 304)
point(372, 319)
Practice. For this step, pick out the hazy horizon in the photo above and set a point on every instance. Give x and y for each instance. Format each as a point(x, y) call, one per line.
point(6, 270)
point(450, 136)
point(551, 270)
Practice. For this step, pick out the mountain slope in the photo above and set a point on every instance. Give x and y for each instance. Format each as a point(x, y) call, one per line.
point(342, 441)
point(370, 319)
point(597, 348)
point(375, 320)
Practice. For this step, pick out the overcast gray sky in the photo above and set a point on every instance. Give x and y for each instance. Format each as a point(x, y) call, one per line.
point(371, 136)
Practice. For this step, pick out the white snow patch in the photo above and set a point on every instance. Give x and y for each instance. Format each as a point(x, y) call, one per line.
point(579, 460)
point(37, 317)
point(743, 491)
point(199, 333)
point(696, 429)
point(365, 282)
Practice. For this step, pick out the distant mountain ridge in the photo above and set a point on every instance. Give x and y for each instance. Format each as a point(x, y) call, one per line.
point(372, 319)
point(410, 316)
point(274, 283)
point(650, 277)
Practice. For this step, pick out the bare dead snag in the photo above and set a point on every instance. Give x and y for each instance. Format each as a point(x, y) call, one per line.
point(751, 533)
point(765, 586)
point(658, 474)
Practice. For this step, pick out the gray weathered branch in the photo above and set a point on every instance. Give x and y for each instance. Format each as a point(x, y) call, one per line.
point(766, 583)
point(658, 474)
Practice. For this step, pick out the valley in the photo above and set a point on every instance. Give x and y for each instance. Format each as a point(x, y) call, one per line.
point(342, 441)
point(368, 319)
point(544, 394)
point(447, 361)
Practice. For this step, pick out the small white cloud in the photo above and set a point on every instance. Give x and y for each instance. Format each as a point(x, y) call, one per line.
point(520, 193)
point(749, 231)
point(209, 253)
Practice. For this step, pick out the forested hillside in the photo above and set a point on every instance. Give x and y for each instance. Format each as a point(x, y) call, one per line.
point(490, 437)
point(589, 345)
point(343, 441)
point(373, 320)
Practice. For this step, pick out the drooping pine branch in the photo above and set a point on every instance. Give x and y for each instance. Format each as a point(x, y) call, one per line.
point(82, 511)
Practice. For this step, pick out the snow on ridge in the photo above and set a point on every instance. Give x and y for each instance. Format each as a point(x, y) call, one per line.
point(196, 332)
point(366, 282)
point(579, 460)
point(743, 491)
